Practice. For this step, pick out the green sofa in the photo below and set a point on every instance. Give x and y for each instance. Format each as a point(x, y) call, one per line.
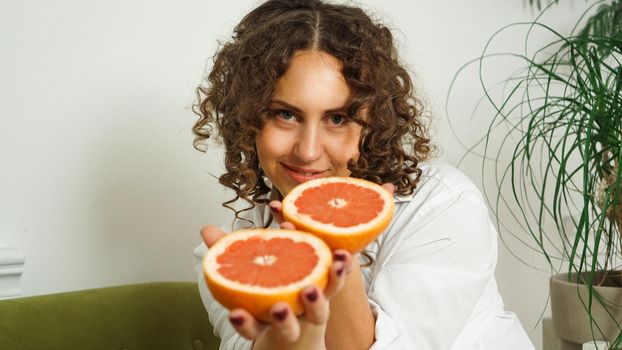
point(153, 316)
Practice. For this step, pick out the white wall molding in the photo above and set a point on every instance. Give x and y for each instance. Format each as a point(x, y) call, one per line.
point(11, 269)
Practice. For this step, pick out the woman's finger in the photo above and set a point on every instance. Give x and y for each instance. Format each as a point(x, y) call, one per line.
point(284, 323)
point(316, 305)
point(286, 225)
point(245, 324)
point(275, 208)
point(345, 257)
point(336, 279)
point(390, 187)
point(211, 234)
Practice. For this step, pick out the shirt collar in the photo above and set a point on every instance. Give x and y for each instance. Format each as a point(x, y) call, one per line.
point(405, 198)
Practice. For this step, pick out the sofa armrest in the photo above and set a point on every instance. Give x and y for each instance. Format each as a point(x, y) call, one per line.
point(154, 316)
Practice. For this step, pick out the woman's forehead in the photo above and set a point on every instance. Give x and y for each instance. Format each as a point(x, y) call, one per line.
point(313, 80)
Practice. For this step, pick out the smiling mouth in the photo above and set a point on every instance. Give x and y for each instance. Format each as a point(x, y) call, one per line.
point(302, 175)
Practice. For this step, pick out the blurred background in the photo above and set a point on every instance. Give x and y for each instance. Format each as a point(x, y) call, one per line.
point(99, 182)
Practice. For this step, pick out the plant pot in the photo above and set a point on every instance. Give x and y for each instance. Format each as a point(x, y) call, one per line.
point(571, 321)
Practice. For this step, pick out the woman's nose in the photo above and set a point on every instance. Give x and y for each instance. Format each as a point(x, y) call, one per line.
point(309, 145)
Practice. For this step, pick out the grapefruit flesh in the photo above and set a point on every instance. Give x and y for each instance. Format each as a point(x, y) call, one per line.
point(256, 268)
point(347, 213)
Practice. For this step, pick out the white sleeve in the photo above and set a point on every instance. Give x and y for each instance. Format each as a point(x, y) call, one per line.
point(431, 271)
point(218, 315)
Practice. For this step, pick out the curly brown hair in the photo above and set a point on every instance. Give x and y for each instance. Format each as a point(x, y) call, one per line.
point(245, 71)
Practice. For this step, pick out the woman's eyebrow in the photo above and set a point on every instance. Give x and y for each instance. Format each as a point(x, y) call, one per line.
point(286, 105)
point(295, 109)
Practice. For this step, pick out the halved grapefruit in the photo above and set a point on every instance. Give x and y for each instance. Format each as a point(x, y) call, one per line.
point(255, 268)
point(347, 213)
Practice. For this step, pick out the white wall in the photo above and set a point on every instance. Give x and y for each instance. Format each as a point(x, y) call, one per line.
point(99, 183)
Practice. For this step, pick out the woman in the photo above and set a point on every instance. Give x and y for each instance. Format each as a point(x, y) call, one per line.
point(307, 89)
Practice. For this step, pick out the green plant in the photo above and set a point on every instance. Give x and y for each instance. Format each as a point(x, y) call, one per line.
point(559, 118)
point(538, 3)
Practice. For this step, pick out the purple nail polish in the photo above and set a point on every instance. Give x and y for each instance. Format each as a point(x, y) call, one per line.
point(340, 272)
point(312, 296)
point(280, 315)
point(340, 257)
point(237, 321)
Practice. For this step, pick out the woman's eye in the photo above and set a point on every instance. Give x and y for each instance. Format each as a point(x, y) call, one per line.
point(338, 119)
point(286, 115)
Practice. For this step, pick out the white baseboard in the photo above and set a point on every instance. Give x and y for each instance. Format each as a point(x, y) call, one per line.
point(11, 269)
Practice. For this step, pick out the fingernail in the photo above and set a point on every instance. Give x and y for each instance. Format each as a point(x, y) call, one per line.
point(280, 315)
point(312, 296)
point(273, 209)
point(340, 257)
point(340, 272)
point(237, 321)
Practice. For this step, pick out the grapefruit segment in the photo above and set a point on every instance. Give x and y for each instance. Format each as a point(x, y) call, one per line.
point(254, 269)
point(345, 212)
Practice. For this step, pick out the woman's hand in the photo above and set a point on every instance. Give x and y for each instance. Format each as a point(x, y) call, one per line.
point(285, 330)
point(352, 323)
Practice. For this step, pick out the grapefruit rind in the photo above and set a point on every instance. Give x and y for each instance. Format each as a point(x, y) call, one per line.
point(353, 238)
point(256, 299)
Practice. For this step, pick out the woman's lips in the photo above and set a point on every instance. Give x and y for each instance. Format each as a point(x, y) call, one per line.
point(301, 174)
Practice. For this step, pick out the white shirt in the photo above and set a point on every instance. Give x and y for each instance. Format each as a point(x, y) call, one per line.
point(432, 284)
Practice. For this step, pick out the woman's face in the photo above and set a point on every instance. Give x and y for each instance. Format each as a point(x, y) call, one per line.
point(308, 134)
